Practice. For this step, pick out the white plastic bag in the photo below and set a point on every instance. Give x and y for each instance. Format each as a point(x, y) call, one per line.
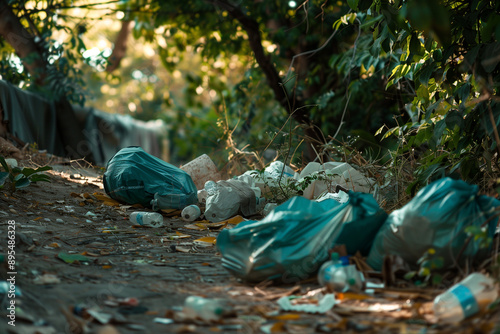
point(333, 173)
point(229, 198)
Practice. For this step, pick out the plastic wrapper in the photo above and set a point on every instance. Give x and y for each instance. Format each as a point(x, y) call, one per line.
point(134, 176)
point(274, 174)
point(230, 197)
point(334, 173)
point(293, 240)
point(201, 170)
point(435, 218)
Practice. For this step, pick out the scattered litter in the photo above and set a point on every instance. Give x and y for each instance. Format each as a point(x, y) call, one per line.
point(191, 213)
point(47, 279)
point(228, 198)
point(316, 302)
point(294, 239)
point(202, 196)
point(201, 170)
point(130, 301)
point(436, 218)
point(333, 173)
point(69, 209)
point(338, 276)
point(8, 287)
point(99, 316)
point(466, 298)
point(163, 186)
point(339, 196)
point(268, 208)
point(164, 321)
point(149, 219)
point(210, 310)
point(182, 249)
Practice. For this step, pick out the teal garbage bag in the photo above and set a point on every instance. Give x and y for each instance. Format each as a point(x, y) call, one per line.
point(435, 218)
point(135, 176)
point(293, 240)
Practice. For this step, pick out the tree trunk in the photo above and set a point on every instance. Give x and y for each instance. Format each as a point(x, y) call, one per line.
point(26, 48)
point(22, 41)
point(120, 47)
point(296, 109)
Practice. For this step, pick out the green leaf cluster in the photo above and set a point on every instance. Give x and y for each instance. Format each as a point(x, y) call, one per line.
point(429, 269)
point(17, 178)
point(443, 58)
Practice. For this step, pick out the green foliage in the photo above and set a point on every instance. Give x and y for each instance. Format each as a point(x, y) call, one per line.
point(280, 189)
point(17, 178)
point(479, 234)
point(442, 59)
point(423, 72)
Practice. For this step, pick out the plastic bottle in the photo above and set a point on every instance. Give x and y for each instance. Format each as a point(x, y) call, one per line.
point(203, 308)
point(190, 213)
point(466, 298)
point(151, 219)
point(268, 208)
point(337, 275)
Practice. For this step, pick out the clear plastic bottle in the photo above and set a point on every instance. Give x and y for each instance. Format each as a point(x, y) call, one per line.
point(268, 208)
point(151, 219)
point(203, 308)
point(190, 213)
point(466, 298)
point(337, 275)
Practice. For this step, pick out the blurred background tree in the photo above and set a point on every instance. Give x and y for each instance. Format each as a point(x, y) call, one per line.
point(306, 79)
point(211, 69)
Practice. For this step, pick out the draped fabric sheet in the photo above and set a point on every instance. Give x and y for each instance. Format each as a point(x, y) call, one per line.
point(32, 119)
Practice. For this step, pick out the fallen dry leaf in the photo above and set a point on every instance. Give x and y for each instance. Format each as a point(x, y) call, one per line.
point(206, 240)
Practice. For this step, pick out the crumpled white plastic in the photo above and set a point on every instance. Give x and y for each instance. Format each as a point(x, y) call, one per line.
point(325, 304)
point(333, 173)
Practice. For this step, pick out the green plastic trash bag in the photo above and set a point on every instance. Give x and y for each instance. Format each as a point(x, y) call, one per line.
point(435, 218)
point(293, 240)
point(134, 176)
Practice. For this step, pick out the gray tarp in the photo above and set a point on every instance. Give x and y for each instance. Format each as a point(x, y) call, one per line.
point(32, 119)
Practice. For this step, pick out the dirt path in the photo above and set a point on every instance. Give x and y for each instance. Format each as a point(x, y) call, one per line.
point(159, 267)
